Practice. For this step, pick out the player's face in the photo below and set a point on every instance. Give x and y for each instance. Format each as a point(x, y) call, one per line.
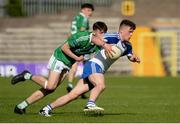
point(126, 33)
point(87, 12)
point(99, 33)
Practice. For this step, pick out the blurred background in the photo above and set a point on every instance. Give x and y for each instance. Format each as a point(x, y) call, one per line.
point(31, 29)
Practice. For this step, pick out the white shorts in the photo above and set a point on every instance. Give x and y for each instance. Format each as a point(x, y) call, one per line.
point(56, 65)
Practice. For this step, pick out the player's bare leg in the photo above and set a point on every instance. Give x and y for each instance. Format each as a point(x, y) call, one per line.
point(97, 80)
point(71, 76)
point(39, 94)
point(49, 84)
point(43, 92)
point(75, 93)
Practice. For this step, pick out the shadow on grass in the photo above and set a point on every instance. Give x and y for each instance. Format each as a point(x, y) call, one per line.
point(54, 113)
point(120, 113)
point(82, 113)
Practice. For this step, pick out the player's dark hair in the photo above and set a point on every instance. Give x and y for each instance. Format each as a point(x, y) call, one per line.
point(101, 26)
point(87, 5)
point(129, 23)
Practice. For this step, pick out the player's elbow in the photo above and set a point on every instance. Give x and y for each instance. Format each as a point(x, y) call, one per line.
point(65, 47)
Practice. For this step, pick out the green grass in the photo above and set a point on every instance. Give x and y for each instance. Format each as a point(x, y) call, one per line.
point(125, 99)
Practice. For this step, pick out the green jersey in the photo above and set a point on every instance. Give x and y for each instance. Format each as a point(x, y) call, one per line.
point(80, 44)
point(79, 21)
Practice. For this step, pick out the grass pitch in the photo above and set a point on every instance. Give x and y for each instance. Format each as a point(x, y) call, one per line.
point(125, 99)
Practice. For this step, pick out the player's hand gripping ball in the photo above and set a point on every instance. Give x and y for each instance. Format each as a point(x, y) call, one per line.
point(115, 54)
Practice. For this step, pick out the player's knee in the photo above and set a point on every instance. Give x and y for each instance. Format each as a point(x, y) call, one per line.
point(101, 87)
point(51, 87)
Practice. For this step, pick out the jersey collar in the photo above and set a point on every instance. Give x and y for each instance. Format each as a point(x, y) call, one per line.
point(82, 14)
point(90, 37)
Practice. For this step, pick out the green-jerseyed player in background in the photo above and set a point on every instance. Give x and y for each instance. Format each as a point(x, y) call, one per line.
point(79, 23)
point(61, 61)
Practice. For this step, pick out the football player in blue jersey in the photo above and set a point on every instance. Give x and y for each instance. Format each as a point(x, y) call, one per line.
point(93, 74)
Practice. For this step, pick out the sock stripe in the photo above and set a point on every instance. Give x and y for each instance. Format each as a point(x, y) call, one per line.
point(49, 107)
point(91, 103)
point(27, 102)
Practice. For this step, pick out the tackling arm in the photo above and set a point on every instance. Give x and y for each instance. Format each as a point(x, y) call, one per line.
point(100, 42)
point(66, 49)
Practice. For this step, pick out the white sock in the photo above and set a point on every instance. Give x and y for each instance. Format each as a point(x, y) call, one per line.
point(27, 76)
point(23, 105)
point(47, 108)
point(90, 103)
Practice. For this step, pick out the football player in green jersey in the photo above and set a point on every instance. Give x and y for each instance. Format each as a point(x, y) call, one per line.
point(61, 61)
point(79, 23)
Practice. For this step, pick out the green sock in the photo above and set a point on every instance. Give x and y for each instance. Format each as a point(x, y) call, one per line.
point(23, 105)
